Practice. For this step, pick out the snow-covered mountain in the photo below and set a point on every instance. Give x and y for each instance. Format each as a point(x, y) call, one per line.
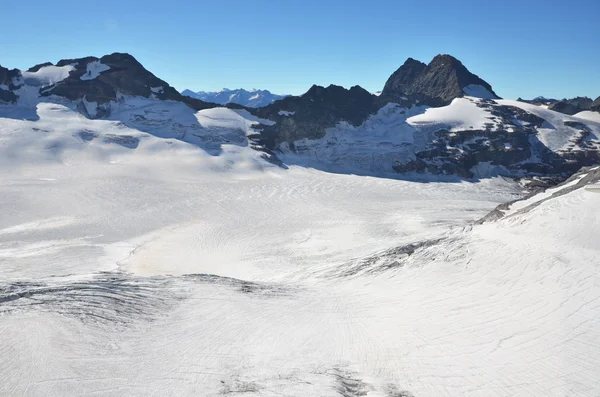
point(430, 118)
point(252, 98)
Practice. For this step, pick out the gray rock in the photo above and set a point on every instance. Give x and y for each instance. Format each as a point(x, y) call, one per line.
point(436, 84)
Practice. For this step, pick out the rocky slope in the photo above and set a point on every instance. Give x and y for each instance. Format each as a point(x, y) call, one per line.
point(249, 98)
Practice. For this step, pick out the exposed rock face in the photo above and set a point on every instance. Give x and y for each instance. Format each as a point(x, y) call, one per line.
point(7, 78)
point(125, 76)
point(573, 105)
point(595, 106)
point(436, 84)
point(402, 80)
point(315, 111)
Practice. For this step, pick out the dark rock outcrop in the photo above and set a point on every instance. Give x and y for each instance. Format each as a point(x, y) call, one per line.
point(315, 111)
point(572, 106)
point(539, 100)
point(595, 106)
point(126, 76)
point(402, 80)
point(39, 66)
point(436, 84)
point(7, 78)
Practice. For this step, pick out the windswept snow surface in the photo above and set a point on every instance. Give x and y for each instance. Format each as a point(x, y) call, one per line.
point(156, 254)
point(94, 69)
point(47, 75)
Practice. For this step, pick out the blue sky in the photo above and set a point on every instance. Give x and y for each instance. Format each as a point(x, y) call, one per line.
point(522, 48)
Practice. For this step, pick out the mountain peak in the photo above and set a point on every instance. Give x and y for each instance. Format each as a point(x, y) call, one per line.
point(437, 83)
point(402, 79)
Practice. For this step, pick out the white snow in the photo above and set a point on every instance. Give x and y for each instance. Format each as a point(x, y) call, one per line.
point(47, 75)
point(518, 205)
point(157, 90)
point(109, 230)
point(286, 113)
point(461, 114)
point(94, 69)
point(588, 115)
point(478, 91)
point(554, 133)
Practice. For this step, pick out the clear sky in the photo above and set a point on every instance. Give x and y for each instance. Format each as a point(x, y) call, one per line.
point(522, 48)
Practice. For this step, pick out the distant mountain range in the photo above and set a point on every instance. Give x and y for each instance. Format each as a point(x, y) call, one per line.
point(252, 98)
point(567, 106)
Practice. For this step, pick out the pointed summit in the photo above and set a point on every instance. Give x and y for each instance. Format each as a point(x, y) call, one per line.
point(402, 79)
point(438, 83)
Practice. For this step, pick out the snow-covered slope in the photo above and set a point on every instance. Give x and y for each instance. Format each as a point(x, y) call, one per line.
point(146, 255)
point(250, 98)
point(150, 249)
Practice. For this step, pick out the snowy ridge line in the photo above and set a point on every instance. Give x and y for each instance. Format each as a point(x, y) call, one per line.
point(588, 176)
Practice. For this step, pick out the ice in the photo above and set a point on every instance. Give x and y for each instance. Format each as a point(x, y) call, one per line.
point(185, 264)
point(47, 75)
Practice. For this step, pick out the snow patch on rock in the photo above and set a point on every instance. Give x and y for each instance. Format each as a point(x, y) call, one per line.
point(47, 75)
point(461, 114)
point(94, 69)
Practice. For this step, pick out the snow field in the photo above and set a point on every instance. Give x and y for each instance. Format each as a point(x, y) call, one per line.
point(156, 254)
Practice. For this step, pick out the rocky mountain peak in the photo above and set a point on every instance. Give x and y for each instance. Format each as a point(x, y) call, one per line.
point(102, 79)
point(437, 83)
point(401, 81)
